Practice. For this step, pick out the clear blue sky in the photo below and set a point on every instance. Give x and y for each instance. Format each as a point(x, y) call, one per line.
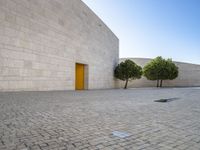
point(150, 28)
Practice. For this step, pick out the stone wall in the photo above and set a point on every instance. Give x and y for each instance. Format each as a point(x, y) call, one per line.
point(41, 40)
point(189, 75)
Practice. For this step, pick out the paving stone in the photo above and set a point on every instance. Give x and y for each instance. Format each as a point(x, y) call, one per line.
point(85, 120)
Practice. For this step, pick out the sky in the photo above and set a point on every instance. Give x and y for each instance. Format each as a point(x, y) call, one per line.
point(151, 28)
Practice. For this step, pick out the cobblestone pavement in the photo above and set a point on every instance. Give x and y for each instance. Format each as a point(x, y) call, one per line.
point(85, 120)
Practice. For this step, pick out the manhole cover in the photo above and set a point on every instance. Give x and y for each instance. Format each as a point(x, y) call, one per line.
point(120, 134)
point(166, 100)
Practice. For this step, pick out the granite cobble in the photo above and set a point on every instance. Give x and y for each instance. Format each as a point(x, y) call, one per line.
point(85, 120)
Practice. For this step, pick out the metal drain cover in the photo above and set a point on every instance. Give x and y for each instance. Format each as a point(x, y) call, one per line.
point(120, 134)
point(166, 100)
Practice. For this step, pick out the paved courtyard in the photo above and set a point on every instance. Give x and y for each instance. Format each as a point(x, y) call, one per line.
point(86, 120)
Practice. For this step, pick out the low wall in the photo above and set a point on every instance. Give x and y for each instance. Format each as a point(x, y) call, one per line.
point(189, 75)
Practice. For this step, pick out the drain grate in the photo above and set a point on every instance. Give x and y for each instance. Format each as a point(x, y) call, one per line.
point(120, 134)
point(166, 100)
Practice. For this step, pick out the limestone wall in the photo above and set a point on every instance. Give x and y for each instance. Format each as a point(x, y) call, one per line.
point(189, 75)
point(41, 40)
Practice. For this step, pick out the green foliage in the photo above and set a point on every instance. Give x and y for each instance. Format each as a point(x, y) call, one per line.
point(128, 70)
point(160, 69)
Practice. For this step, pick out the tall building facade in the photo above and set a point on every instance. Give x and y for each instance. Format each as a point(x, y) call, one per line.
point(54, 45)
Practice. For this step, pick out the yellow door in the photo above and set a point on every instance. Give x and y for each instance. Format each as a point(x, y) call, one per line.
point(79, 77)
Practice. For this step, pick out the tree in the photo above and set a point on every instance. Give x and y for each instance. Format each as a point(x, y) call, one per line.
point(128, 70)
point(160, 69)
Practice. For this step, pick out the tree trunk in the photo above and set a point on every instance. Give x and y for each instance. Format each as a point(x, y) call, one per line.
point(157, 83)
point(161, 81)
point(125, 87)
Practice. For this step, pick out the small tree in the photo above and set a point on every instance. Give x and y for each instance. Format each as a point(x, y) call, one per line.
point(160, 69)
point(128, 70)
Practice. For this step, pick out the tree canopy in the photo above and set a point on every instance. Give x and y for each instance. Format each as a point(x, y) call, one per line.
point(128, 70)
point(160, 69)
